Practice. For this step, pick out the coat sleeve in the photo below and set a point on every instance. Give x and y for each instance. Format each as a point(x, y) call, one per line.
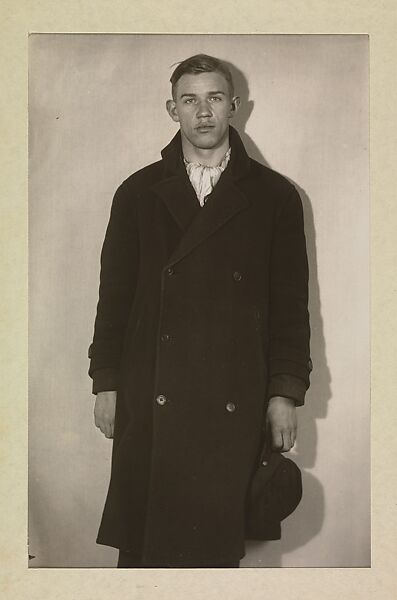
point(118, 275)
point(289, 352)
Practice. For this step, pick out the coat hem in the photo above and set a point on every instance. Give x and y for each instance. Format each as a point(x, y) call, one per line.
point(188, 563)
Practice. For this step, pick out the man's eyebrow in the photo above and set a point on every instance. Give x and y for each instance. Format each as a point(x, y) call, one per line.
point(192, 95)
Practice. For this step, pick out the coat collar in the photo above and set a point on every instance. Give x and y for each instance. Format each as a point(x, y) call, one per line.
point(239, 162)
point(178, 194)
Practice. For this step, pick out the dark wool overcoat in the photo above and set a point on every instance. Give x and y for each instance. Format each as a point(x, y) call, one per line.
point(202, 316)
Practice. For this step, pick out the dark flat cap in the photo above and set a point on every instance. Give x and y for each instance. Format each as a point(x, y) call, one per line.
point(274, 493)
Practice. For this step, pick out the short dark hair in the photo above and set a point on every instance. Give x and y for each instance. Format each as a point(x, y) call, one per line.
point(201, 63)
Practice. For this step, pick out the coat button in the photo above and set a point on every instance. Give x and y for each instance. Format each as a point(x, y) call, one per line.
point(161, 400)
point(237, 276)
point(170, 271)
point(230, 407)
point(165, 337)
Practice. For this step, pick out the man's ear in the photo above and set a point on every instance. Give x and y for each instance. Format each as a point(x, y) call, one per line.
point(171, 109)
point(235, 105)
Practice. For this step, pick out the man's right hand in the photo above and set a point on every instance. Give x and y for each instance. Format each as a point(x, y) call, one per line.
point(104, 412)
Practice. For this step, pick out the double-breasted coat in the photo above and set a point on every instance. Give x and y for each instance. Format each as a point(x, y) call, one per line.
point(202, 316)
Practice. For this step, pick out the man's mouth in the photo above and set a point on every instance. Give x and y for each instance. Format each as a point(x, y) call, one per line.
point(204, 127)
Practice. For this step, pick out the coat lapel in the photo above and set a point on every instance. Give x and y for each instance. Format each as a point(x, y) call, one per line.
point(179, 197)
point(225, 201)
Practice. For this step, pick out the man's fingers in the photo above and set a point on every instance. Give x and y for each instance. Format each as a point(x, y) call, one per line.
point(293, 437)
point(104, 412)
point(109, 431)
point(278, 441)
point(289, 437)
point(281, 417)
point(106, 428)
point(283, 440)
point(287, 443)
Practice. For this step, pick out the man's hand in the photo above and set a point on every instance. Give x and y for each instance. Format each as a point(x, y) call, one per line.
point(104, 412)
point(281, 417)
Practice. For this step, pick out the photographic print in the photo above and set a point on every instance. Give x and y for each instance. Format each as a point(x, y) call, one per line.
point(199, 334)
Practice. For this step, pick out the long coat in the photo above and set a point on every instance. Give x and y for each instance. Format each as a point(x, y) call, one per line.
point(202, 316)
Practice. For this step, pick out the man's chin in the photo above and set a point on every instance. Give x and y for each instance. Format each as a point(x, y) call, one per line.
point(206, 141)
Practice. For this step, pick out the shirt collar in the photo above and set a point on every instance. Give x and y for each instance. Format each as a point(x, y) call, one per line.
point(239, 160)
point(222, 165)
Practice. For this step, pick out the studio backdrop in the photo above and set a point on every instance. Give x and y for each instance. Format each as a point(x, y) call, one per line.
point(97, 114)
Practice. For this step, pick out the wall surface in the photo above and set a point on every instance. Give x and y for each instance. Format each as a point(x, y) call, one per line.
point(97, 113)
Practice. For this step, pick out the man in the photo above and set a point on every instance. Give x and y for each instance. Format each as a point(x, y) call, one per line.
point(201, 336)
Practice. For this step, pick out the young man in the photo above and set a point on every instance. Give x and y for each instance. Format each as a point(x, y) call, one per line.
point(201, 336)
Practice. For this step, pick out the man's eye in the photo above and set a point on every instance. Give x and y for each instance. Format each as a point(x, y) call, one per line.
point(215, 99)
point(189, 100)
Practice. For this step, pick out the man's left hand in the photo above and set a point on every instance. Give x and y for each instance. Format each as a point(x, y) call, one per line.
point(282, 419)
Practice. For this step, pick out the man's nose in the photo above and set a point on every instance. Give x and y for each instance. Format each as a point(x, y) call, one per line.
point(204, 109)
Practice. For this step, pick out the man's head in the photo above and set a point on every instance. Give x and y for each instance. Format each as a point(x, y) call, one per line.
point(203, 101)
point(201, 63)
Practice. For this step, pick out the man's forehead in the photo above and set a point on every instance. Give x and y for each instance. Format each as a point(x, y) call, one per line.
point(200, 83)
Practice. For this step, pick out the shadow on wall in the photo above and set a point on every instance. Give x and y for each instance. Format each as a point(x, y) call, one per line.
point(307, 520)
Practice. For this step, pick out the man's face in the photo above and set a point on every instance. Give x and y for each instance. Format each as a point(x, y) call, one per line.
point(203, 106)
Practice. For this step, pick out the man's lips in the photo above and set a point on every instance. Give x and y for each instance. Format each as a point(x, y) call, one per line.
point(204, 127)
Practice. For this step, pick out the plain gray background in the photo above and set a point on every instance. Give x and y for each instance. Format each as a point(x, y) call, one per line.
point(97, 113)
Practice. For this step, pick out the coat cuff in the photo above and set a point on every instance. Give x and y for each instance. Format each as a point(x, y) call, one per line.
point(104, 380)
point(287, 386)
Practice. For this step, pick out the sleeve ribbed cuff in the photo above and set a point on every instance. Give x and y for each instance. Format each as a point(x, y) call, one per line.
point(104, 380)
point(287, 386)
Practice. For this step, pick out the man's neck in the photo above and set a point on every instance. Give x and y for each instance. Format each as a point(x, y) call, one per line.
point(210, 157)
